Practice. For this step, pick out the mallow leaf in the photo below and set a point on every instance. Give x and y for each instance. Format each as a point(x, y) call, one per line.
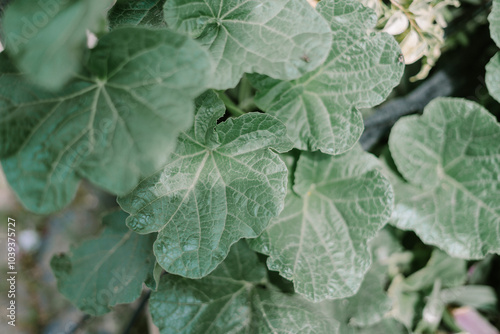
point(493, 77)
point(105, 271)
point(493, 68)
point(368, 306)
point(450, 158)
point(223, 183)
point(370, 303)
point(133, 12)
point(319, 241)
point(281, 38)
point(235, 298)
point(47, 38)
point(113, 127)
point(320, 108)
point(494, 19)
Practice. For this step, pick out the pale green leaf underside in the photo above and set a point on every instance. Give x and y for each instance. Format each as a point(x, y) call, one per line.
point(133, 12)
point(493, 77)
point(105, 271)
point(235, 298)
point(320, 108)
point(113, 128)
point(47, 38)
point(451, 158)
point(266, 37)
point(223, 183)
point(319, 241)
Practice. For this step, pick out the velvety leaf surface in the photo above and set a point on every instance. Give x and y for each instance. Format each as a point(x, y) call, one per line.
point(223, 183)
point(235, 298)
point(319, 241)
point(113, 127)
point(133, 12)
point(451, 159)
point(105, 271)
point(266, 37)
point(47, 38)
point(320, 108)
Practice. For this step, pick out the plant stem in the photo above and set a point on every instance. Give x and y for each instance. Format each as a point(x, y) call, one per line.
point(138, 311)
point(233, 109)
point(245, 90)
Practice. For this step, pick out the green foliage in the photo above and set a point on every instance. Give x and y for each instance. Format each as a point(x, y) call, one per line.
point(319, 109)
point(105, 271)
point(267, 37)
point(236, 298)
point(142, 115)
point(147, 13)
point(222, 183)
point(320, 239)
point(112, 125)
point(48, 53)
point(450, 158)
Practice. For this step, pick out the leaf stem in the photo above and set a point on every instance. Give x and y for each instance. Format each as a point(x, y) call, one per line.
point(233, 109)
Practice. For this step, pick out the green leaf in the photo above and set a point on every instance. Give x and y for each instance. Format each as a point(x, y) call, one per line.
point(371, 303)
point(47, 38)
point(113, 127)
point(450, 156)
point(105, 271)
point(494, 19)
point(235, 298)
point(133, 12)
point(493, 77)
point(319, 241)
point(222, 184)
point(281, 38)
point(368, 306)
point(320, 108)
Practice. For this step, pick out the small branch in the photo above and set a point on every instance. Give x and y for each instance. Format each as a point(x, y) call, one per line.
point(381, 121)
point(138, 311)
point(233, 109)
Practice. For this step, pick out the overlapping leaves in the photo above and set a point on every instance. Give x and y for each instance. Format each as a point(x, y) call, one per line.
point(132, 12)
point(113, 126)
point(319, 241)
point(493, 68)
point(47, 38)
point(223, 183)
point(105, 271)
point(281, 38)
point(235, 298)
point(450, 158)
point(320, 108)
